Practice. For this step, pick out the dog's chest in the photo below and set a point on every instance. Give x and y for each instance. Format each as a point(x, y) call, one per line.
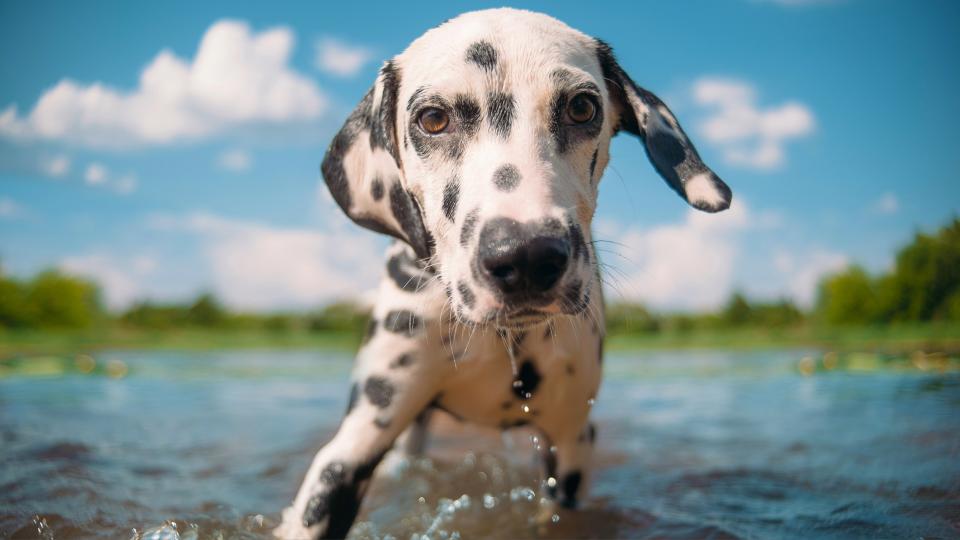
point(546, 376)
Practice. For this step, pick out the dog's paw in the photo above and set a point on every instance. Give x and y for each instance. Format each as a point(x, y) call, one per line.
point(291, 526)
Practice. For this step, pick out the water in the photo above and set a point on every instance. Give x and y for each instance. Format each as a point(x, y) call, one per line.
point(690, 445)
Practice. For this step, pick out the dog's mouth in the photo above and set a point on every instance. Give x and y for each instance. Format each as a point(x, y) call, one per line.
point(519, 318)
point(572, 300)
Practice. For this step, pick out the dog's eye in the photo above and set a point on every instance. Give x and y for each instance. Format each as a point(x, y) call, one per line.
point(433, 120)
point(581, 109)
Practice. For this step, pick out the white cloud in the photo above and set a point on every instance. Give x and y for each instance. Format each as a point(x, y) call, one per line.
point(697, 263)
point(126, 184)
point(95, 174)
point(98, 175)
point(235, 160)
point(687, 265)
point(258, 266)
point(121, 279)
point(237, 77)
point(339, 58)
point(746, 134)
point(887, 204)
point(9, 209)
point(802, 270)
point(55, 166)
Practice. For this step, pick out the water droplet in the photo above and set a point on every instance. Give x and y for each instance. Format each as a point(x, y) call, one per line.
point(553, 449)
point(517, 383)
point(591, 401)
point(422, 500)
point(522, 494)
point(525, 408)
point(551, 482)
point(489, 501)
point(555, 518)
point(527, 395)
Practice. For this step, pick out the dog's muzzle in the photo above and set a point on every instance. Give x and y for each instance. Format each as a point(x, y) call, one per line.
point(521, 263)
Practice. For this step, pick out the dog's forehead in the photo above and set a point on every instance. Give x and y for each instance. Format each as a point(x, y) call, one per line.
point(500, 48)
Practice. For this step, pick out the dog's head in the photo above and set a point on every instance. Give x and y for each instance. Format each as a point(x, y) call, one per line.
point(481, 146)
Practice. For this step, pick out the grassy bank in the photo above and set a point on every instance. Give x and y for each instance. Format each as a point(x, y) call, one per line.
point(942, 337)
point(904, 338)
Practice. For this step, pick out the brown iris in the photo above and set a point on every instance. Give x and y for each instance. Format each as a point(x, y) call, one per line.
point(581, 109)
point(433, 120)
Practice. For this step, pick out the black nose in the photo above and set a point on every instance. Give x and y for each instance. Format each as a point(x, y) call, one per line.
point(518, 261)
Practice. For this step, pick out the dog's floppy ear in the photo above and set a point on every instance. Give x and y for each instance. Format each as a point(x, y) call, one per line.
point(668, 147)
point(362, 167)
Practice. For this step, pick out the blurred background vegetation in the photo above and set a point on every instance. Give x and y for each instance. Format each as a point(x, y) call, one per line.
point(916, 303)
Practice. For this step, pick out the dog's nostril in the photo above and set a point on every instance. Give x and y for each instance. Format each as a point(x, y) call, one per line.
point(505, 272)
point(549, 257)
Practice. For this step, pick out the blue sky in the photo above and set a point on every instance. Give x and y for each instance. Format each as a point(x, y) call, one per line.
point(833, 121)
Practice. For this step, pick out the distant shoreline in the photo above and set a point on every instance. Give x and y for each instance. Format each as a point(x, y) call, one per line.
point(895, 339)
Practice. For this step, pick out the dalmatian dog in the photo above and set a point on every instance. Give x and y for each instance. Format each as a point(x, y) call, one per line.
point(479, 148)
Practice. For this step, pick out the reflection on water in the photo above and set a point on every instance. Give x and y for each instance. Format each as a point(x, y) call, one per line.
point(692, 444)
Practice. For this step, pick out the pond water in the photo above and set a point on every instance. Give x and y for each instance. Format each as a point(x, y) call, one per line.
point(691, 444)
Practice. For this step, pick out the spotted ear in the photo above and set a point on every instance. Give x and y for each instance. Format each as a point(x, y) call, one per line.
point(669, 149)
point(362, 168)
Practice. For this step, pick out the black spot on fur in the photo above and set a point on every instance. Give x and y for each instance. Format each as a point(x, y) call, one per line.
point(407, 214)
point(467, 111)
point(352, 400)
point(451, 196)
point(402, 361)
point(665, 149)
point(469, 225)
point(340, 498)
point(376, 188)
point(527, 380)
point(415, 96)
point(571, 293)
point(334, 473)
point(592, 433)
point(593, 163)
point(379, 391)
point(571, 484)
point(570, 369)
point(383, 129)
point(466, 295)
point(500, 112)
point(332, 168)
point(615, 78)
point(403, 322)
point(482, 54)
point(577, 242)
point(401, 269)
point(506, 177)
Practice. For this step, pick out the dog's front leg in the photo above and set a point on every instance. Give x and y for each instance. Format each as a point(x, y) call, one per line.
point(567, 465)
point(384, 399)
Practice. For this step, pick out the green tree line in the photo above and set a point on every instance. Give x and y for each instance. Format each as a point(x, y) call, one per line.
point(923, 285)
